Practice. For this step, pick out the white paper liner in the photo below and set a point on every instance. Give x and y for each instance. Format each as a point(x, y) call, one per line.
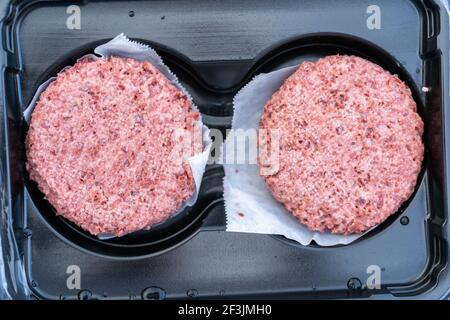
point(123, 47)
point(249, 204)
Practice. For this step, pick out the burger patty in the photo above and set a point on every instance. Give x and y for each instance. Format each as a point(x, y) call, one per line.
point(100, 141)
point(350, 147)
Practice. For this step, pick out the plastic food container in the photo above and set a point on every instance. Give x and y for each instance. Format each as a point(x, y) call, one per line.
point(215, 48)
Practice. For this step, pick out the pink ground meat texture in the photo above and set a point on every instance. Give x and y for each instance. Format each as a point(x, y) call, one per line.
point(100, 141)
point(351, 144)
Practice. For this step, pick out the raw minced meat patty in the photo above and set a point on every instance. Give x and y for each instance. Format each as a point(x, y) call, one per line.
point(100, 145)
point(351, 144)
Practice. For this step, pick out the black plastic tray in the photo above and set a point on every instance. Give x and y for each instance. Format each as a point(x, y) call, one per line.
point(216, 47)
